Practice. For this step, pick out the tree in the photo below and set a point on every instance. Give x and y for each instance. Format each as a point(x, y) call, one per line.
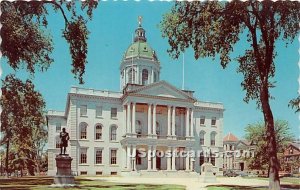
point(295, 104)
point(26, 43)
point(22, 114)
point(213, 28)
point(256, 133)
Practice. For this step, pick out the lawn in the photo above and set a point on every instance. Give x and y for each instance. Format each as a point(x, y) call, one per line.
point(43, 183)
point(293, 183)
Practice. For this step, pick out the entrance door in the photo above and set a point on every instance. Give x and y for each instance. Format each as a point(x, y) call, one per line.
point(158, 163)
point(242, 166)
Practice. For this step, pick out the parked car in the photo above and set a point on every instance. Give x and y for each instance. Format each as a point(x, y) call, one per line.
point(285, 174)
point(242, 173)
point(230, 173)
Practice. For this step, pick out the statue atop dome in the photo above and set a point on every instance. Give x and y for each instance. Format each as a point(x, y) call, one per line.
point(140, 20)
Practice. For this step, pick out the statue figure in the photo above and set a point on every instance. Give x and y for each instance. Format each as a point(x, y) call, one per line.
point(64, 137)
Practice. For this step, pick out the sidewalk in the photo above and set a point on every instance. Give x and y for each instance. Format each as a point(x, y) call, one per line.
point(190, 183)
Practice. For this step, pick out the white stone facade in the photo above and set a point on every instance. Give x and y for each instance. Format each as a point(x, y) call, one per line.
point(149, 115)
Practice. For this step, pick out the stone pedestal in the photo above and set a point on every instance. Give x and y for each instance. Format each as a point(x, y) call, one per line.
point(207, 175)
point(64, 175)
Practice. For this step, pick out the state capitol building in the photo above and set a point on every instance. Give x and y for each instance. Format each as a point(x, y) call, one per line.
point(108, 130)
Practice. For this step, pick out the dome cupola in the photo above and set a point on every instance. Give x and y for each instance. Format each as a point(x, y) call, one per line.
point(139, 65)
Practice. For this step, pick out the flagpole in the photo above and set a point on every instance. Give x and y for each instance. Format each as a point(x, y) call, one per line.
point(183, 71)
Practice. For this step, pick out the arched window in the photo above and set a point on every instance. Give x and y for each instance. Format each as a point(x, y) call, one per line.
point(131, 76)
point(201, 136)
point(113, 133)
point(98, 132)
point(157, 128)
point(213, 138)
point(144, 76)
point(138, 125)
point(83, 130)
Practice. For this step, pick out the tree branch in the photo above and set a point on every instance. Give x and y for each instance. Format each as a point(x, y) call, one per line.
point(61, 10)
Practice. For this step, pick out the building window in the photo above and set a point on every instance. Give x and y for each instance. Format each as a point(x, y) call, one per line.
point(98, 111)
point(83, 155)
point(131, 76)
point(213, 160)
point(98, 156)
point(202, 133)
point(213, 121)
point(83, 130)
point(58, 127)
point(144, 76)
point(213, 138)
point(202, 120)
point(201, 159)
point(113, 112)
point(157, 128)
point(138, 158)
point(98, 172)
point(83, 110)
point(138, 125)
point(98, 133)
point(113, 156)
point(113, 133)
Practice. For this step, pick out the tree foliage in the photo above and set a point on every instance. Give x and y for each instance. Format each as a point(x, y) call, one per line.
point(256, 133)
point(26, 41)
point(22, 121)
point(212, 28)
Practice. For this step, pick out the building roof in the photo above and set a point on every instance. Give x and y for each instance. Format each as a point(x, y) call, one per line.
point(230, 137)
point(140, 48)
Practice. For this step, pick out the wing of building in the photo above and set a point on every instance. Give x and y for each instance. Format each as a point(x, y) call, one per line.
point(112, 133)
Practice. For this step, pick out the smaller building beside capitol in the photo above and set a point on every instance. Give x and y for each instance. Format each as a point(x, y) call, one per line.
point(110, 131)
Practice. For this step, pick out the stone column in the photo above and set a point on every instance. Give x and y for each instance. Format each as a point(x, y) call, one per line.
point(149, 120)
point(187, 161)
point(128, 118)
point(192, 123)
point(133, 158)
point(125, 120)
point(154, 158)
point(152, 75)
point(173, 158)
point(187, 122)
point(169, 121)
point(173, 120)
point(169, 159)
point(149, 157)
point(128, 152)
point(133, 118)
point(154, 120)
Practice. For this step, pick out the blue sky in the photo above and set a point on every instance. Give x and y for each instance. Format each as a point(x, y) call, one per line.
point(111, 30)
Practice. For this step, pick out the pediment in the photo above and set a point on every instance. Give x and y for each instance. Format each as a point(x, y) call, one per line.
point(162, 89)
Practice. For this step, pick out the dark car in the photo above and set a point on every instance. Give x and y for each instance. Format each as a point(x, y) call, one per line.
point(230, 173)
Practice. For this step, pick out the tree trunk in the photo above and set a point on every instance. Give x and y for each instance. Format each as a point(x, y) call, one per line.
point(6, 159)
point(274, 182)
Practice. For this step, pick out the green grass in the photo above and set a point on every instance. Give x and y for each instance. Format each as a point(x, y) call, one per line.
point(43, 183)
